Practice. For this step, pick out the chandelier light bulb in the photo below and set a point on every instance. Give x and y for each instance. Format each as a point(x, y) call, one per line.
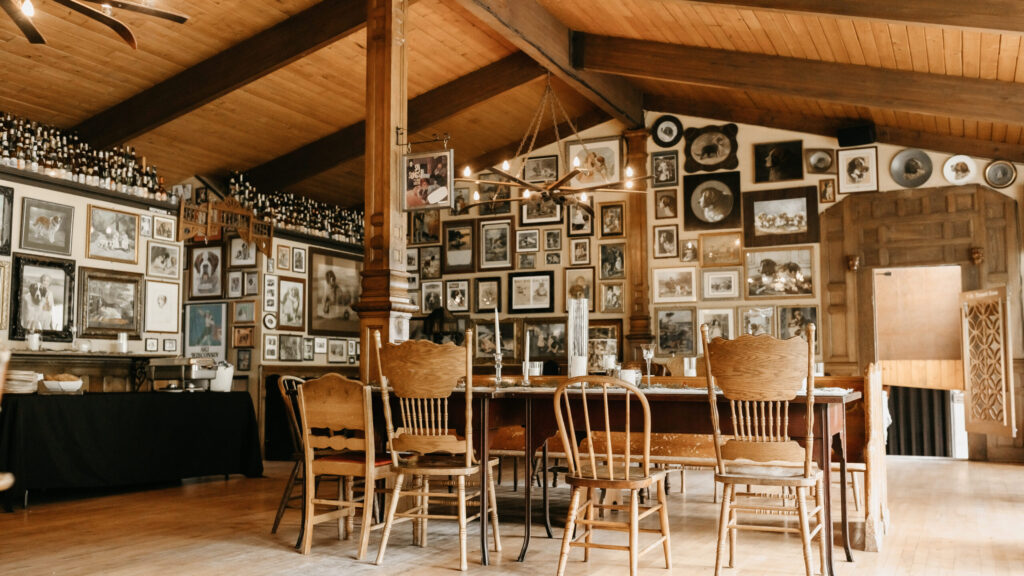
point(466, 172)
point(576, 162)
point(476, 195)
point(505, 165)
point(629, 183)
point(629, 171)
point(28, 9)
point(583, 197)
point(526, 193)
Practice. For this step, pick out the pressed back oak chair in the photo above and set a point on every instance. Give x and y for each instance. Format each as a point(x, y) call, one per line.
point(422, 375)
point(759, 376)
point(289, 389)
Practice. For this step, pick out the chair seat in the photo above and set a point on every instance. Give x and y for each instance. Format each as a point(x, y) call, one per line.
point(768, 475)
point(354, 457)
point(454, 464)
point(636, 480)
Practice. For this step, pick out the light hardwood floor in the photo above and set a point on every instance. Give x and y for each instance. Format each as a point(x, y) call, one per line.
point(949, 518)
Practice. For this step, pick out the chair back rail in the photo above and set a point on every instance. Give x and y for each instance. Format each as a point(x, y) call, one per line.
point(289, 388)
point(335, 414)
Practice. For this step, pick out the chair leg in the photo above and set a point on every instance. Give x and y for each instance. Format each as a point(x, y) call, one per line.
point(734, 533)
point(390, 519)
point(463, 565)
point(369, 500)
point(856, 490)
point(425, 484)
point(589, 531)
point(286, 496)
point(663, 514)
point(570, 525)
point(515, 473)
point(350, 517)
point(723, 527)
point(805, 532)
point(308, 493)
point(501, 462)
point(682, 481)
point(634, 532)
point(492, 499)
point(342, 525)
point(819, 498)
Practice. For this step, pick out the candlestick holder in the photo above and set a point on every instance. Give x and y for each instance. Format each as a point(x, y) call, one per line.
point(497, 368)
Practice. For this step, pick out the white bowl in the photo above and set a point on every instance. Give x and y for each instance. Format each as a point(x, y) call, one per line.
point(63, 385)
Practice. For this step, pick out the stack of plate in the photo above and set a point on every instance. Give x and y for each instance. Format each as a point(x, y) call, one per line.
point(21, 382)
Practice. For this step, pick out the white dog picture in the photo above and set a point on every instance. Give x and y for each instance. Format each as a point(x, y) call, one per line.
point(46, 226)
point(207, 272)
point(113, 235)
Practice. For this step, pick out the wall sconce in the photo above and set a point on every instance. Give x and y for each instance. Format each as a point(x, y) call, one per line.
point(977, 255)
point(853, 263)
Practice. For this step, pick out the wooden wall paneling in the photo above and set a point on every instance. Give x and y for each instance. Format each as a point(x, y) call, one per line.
point(637, 264)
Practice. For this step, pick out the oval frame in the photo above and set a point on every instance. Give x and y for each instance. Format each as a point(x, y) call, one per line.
point(1000, 179)
point(897, 168)
point(664, 122)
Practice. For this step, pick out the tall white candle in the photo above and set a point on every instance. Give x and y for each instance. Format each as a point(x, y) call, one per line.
point(526, 352)
point(497, 332)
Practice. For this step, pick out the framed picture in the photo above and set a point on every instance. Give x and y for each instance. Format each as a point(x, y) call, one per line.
point(290, 348)
point(241, 253)
point(333, 291)
point(820, 160)
point(458, 247)
point(430, 262)
point(353, 351)
point(428, 181)
point(5, 288)
point(433, 298)
point(793, 321)
point(320, 345)
point(495, 237)
point(579, 251)
point(579, 221)
point(284, 257)
point(170, 344)
point(46, 226)
point(163, 260)
point(152, 344)
point(412, 260)
point(607, 330)
point(42, 297)
point(163, 306)
point(270, 320)
point(424, 228)
point(613, 219)
point(720, 284)
point(109, 303)
point(691, 250)
point(710, 148)
point(579, 283)
point(998, 174)
point(488, 294)
point(243, 336)
point(206, 271)
point(553, 259)
point(547, 339)
point(252, 283)
point(205, 330)
point(113, 235)
point(146, 231)
point(613, 261)
point(299, 260)
point(494, 195)
point(270, 346)
point(337, 351)
point(526, 261)
point(528, 240)
point(858, 170)
point(235, 280)
point(778, 217)
point(719, 320)
point(665, 169)
point(291, 313)
point(6, 225)
point(826, 190)
point(599, 161)
point(675, 332)
point(675, 284)
point(612, 297)
point(541, 168)
point(711, 201)
point(414, 281)
point(307, 350)
point(666, 241)
point(721, 249)
point(461, 200)
point(269, 267)
point(243, 360)
point(483, 332)
point(757, 320)
point(780, 273)
point(165, 229)
point(666, 203)
point(243, 312)
point(778, 161)
point(539, 211)
point(456, 294)
point(530, 292)
point(553, 239)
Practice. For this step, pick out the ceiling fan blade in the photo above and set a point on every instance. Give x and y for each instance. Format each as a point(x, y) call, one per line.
point(141, 9)
point(23, 22)
point(113, 23)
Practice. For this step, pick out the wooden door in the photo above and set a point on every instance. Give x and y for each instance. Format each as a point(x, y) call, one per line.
point(987, 362)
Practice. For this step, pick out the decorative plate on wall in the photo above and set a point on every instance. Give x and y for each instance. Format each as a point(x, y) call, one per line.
point(667, 131)
point(1000, 173)
point(911, 168)
point(959, 169)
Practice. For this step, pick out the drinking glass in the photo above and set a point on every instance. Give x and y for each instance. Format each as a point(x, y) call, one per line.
point(648, 353)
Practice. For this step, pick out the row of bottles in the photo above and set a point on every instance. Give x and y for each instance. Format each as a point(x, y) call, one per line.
point(299, 214)
point(34, 147)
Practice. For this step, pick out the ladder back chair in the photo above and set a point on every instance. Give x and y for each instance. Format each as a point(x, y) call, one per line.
point(289, 388)
point(583, 408)
point(422, 376)
point(759, 376)
point(337, 438)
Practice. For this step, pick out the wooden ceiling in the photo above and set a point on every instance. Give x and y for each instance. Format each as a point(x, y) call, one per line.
point(277, 86)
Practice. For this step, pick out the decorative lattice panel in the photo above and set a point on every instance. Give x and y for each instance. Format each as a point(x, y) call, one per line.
point(986, 361)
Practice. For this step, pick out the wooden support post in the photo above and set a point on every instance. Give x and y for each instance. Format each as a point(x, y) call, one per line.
point(637, 263)
point(384, 304)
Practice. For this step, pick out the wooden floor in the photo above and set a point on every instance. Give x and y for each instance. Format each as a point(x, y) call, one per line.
point(949, 517)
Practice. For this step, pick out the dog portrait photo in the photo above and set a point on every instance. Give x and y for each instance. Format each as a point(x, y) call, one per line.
point(46, 226)
point(858, 170)
point(113, 235)
point(241, 253)
point(109, 303)
point(778, 161)
point(165, 228)
point(291, 309)
point(775, 273)
point(206, 270)
point(162, 309)
point(334, 287)
point(163, 260)
point(41, 299)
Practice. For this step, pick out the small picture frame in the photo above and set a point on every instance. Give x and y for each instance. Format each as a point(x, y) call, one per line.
point(165, 229)
point(320, 345)
point(690, 250)
point(299, 260)
point(206, 271)
point(820, 160)
point(291, 307)
point(487, 292)
point(170, 344)
point(540, 212)
point(538, 169)
point(579, 283)
point(528, 240)
point(674, 284)
point(612, 297)
point(793, 321)
point(826, 190)
point(778, 161)
point(666, 241)
point(270, 292)
point(494, 196)
point(613, 261)
point(430, 262)
point(613, 219)
point(109, 303)
point(307, 350)
point(485, 345)
point(598, 159)
point(721, 249)
point(710, 148)
point(433, 296)
point(579, 251)
point(46, 226)
point(579, 222)
point(243, 336)
point(290, 348)
point(547, 338)
point(414, 281)
point(531, 292)
point(552, 240)
point(284, 257)
point(428, 180)
point(270, 346)
point(553, 259)
point(243, 360)
point(163, 307)
point(251, 287)
point(664, 169)
point(243, 312)
point(337, 351)
point(779, 217)
point(711, 201)
point(457, 295)
point(720, 322)
point(424, 227)
point(526, 261)
point(675, 332)
point(757, 320)
point(666, 203)
point(720, 284)
point(241, 254)
point(236, 279)
point(152, 344)
point(113, 235)
point(145, 225)
point(495, 244)
point(458, 247)
point(858, 169)
point(163, 260)
point(461, 200)
point(412, 260)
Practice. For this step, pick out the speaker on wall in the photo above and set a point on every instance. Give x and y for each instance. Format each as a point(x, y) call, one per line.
point(856, 135)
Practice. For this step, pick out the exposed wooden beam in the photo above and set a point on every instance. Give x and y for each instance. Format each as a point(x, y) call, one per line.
point(968, 98)
point(222, 73)
point(993, 15)
point(424, 110)
point(535, 31)
point(828, 126)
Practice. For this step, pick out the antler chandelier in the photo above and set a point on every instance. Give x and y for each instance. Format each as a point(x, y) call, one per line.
point(22, 11)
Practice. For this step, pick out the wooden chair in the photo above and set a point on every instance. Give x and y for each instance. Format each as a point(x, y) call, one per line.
point(422, 376)
point(289, 387)
point(6, 478)
point(337, 440)
point(760, 376)
point(607, 465)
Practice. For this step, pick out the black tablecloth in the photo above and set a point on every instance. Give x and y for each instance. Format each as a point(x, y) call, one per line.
point(122, 439)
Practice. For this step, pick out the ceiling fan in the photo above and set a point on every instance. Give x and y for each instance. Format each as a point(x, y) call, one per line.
point(21, 12)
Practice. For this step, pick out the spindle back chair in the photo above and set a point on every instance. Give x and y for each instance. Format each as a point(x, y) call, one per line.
point(288, 388)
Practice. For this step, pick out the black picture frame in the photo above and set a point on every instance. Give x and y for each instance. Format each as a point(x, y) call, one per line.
point(331, 306)
point(22, 295)
point(780, 217)
point(538, 169)
point(46, 226)
point(492, 194)
point(710, 148)
point(664, 169)
point(96, 304)
point(486, 290)
point(579, 222)
point(779, 161)
point(716, 196)
point(7, 206)
point(206, 271)
point(667, 131)
point(459, 237)
point(526, 292)
point(548, 338)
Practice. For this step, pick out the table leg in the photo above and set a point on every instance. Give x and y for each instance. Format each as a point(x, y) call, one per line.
point(825, 461)
point(527, 492)
point(485, 471)
point(840, 446)
point(544, 489)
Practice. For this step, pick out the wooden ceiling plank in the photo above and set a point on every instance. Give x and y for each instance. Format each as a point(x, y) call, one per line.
point(989, 69)
point(757, 29)
point(253, 58)
point(835, 41)
point(936, 52)
point(883, 40)
point(953, 48)
point(1018, 75)
point(972, 54)
point(532, 29)
point(1009, 47)
point(866, 39)
point(859, 85)
point(848, 33)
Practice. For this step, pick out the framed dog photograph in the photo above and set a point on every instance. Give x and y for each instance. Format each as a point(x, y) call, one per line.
point(531, 292)
point(526, 261)
point(291, 310)
point(528, 240)
point(234, 284)
point(243, 360)
point(757, 320)
point(113, 235)
point(458, 247)
point(547, 338)
point(858, 170)
point(430, 262)
point(241, 254)
point(579, 222)
point(665, 169)
point(711, 201)
point(165, 229)
point(496, 238)
point(424, 228)
point(540, 212)
point(337, 351)
point(552, 240)
point(243, 336)
point(205, 330)
point(493, 196)
point(163, 260)
point(433, 297)
point(290, 348)
point(613, 219)
point(46, 226)
point(553, 259)
point(720, 284)
point(6, 210)
point(284, 257)
point(675, 332)
point(720, 322)
point(461, 200)
point(793, 322)
point(675, 284)
point(333, 291)
point(612, 297)
point(163, 306)
point(243, 312)
point(666, 203)
point(690, 250)
point(710, 148)
point(320, 345)
point(456, 295)
point(428, 181)
point(598, 160)
point(579, 251)
point(666, 241)
point(42, 297)
point(774, 273)
point(820, 160)
point(777, 217)
point(541, 168)
point(299, 260)
point(778, 161)
point(109, 303)
point(579, 283)
point(206, 271)
point(307, 350)
point(252, 283)
point(486, 345)
point(721, 249)
point(613, 261)
point(146, 231)
point(488, 294)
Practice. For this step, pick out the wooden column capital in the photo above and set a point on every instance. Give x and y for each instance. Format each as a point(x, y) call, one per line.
point(637, 263)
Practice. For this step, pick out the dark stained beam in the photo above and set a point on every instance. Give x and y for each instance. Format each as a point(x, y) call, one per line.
point(424, 110)
point(222, 73)
point(828, 126)
point(992, 15)
point(968, 98)
point(535, 31)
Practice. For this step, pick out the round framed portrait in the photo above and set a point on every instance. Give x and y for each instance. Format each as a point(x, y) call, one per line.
point(1000, 173)
point(712, 201)
point(270, 321)
point(959, 169)
point(667, 131)
point(911, 168)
